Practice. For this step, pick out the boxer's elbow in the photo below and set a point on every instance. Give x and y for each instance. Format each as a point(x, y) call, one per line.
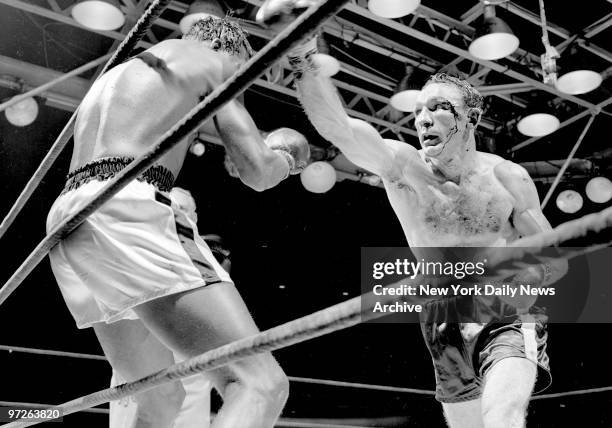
point(254, 180)
point(265, 172)
point(259, 185)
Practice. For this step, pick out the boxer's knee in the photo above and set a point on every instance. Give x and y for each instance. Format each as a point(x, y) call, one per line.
point(271, 383)
point(161, 405)
point(262, 379)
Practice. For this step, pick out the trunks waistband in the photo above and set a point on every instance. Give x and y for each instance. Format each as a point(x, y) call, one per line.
point(106, 168)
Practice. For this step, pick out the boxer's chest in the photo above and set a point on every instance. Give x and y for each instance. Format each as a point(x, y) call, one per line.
point(478, 206)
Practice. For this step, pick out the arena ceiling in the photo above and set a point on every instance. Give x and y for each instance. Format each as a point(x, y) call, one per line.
point(42, 41)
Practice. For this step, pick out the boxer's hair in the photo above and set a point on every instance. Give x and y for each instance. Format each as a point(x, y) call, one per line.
point(471, 96)
point(232, 37)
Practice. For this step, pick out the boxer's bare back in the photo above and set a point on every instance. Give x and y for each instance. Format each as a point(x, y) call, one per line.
point(135, 103)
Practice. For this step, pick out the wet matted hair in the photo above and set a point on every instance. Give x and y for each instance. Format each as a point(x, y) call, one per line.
point(471, 96)
point(230, 34)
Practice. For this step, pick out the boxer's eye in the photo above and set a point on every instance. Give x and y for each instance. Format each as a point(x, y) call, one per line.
point(436, 104)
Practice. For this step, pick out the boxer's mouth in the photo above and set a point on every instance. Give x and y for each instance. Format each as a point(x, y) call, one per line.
point(431, 140)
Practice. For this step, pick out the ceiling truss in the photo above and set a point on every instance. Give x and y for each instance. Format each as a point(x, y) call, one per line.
point(360, 102)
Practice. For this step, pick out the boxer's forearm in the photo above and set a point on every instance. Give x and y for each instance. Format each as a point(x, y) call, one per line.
point(324, 109)
point(319, 96)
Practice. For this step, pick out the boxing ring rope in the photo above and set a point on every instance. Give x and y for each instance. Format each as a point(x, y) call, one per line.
point(340, 316)
point(249, 72)
point(128, 44)
point(297, 379)
point(52, 353)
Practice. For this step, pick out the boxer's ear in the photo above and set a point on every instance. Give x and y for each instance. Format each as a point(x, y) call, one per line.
point(474, 114)
point(216, 44)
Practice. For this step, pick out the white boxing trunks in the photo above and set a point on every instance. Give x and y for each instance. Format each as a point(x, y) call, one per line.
point(137, 247)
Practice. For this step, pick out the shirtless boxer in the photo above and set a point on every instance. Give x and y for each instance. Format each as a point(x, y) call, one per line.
point(136, 258)
point(448, 194)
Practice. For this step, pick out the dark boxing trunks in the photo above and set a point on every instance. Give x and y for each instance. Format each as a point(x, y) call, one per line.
point(463, 352)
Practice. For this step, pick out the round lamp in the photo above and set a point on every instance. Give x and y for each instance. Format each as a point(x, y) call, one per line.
point(393, 8)
point(493, 39)
point(405, 100)
point(23, 113)
point(579, 82)
point(538, 124)
point(197, 149)
point(328, 65)
point(318, 177)
point(599, 189)
point(569, 201)
point(102, 15)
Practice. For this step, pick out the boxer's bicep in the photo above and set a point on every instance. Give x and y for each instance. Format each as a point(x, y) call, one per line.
point(527, 215)
point(529, 219)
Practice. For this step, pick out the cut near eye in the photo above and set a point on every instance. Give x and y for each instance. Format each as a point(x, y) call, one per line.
point(435, 105)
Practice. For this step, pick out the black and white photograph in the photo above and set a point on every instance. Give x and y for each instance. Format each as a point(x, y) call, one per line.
point(305, 213)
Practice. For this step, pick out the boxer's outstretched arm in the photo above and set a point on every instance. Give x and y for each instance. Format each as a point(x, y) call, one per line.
point(259, 167)
point(527, 216)
point(357, 139)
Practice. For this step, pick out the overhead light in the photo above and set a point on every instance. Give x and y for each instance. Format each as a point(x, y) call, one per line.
point(538, 124)
point(318, 177)
point(539, 119)
point(328, 65)
point(406, 92)
point(599, 189)
point(197, 148)
point(579, 82)
point(493, 39)
point(393, 8)
point(200, 9)
point(102, 15)
point(576, 76)
point(23, 113)
point(569, 201)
